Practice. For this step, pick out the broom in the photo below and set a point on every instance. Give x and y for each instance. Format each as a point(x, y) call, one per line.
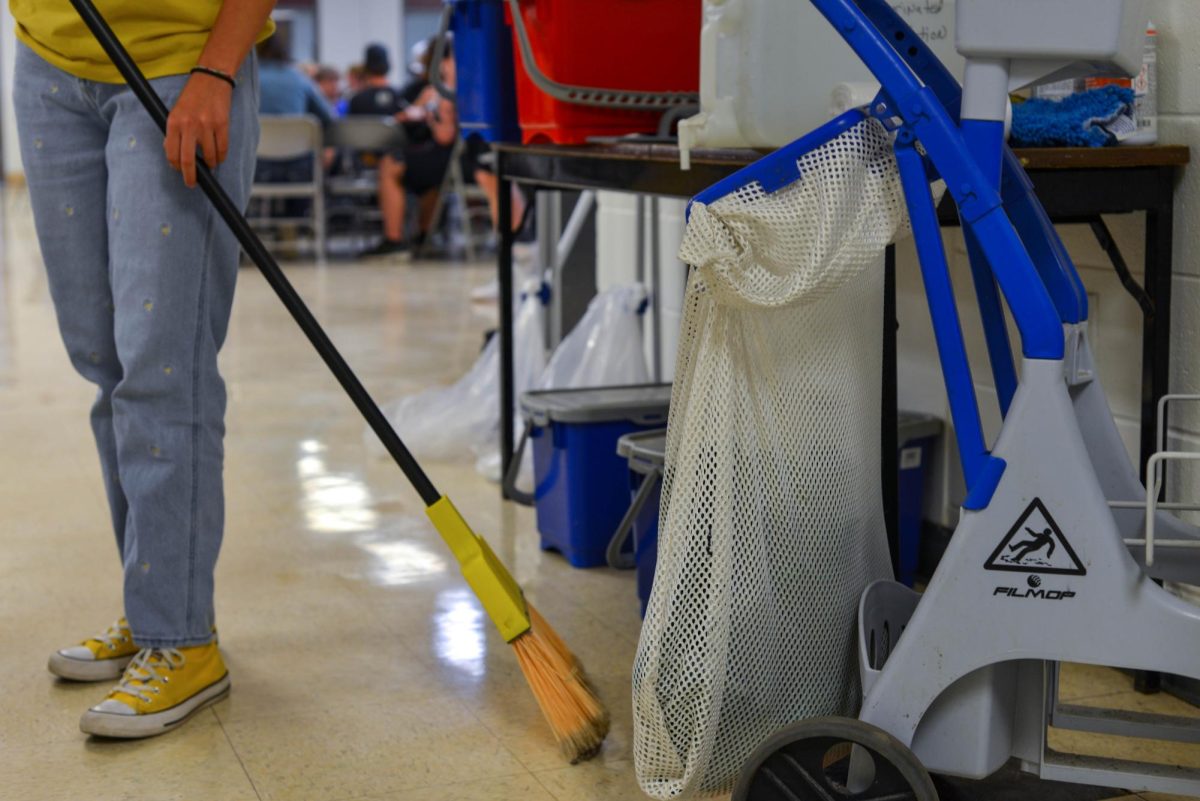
point(576, 716)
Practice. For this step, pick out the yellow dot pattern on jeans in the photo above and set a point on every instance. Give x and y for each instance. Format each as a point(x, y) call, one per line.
point(148, 305)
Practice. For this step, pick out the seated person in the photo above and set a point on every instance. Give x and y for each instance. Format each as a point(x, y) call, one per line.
point(431, 124)
point(283, 89)
point(489, 184)
point(329, 82)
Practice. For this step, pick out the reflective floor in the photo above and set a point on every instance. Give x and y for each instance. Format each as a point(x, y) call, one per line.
point(362, 666)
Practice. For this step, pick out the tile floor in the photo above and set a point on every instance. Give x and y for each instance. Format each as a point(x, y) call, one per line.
point(362, 666)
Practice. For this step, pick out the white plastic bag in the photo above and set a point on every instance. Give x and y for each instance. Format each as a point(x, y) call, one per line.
point(771, 522)
point(463, 419)
point(605, 347)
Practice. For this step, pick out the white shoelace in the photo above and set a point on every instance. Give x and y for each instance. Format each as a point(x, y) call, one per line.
point(115, 635)
point(145, 669)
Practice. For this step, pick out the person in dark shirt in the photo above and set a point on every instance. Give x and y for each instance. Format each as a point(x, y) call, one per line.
point(431, 125)
point(376, 96)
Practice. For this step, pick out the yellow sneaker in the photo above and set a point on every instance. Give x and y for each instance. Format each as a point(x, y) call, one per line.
point(101, 658)
point(161, 689)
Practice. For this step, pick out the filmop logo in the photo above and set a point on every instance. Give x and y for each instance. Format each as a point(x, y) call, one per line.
point(1035, 544)
point(1035, 591)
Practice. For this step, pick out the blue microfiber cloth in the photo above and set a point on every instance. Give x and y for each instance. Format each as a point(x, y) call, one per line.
point(1095, 118)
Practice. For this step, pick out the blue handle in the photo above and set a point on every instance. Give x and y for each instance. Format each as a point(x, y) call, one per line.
point(912, 49)
point(1043, 242)
point(985, 141)
point(778, 169)
point(976, 196)
point(952, 351)
point(1041, 239)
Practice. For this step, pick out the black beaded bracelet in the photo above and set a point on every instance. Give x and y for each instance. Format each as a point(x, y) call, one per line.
point(224, 76)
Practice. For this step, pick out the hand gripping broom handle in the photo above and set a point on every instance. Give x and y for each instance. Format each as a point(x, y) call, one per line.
point(261, 257)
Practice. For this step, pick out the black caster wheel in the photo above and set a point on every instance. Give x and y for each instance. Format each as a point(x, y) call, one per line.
point(810, 761)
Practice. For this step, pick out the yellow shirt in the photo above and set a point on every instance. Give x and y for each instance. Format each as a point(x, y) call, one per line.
point(164, 37)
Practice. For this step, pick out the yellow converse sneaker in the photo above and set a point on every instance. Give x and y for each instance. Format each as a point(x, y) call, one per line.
point(101, 658)
point(162, 688)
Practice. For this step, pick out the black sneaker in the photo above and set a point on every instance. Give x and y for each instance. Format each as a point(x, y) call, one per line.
point(386, 247)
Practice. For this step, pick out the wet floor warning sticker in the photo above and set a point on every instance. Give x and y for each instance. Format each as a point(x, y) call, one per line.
point(1035, 544)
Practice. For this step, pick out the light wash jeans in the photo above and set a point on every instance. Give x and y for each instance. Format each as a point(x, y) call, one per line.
point(142, 273)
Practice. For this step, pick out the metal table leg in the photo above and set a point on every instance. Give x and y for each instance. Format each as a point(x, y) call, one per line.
point(504, 267)
point(1156, 357)
point(1156, 327)
point(889, 436)
point(1155, 302)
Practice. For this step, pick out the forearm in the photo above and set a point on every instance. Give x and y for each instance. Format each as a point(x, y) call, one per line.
point(238, 25)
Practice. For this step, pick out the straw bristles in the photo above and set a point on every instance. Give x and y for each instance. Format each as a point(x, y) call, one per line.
point(576, 716)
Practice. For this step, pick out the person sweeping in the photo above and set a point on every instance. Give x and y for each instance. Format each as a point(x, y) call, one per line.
point(142, 274)
point(171, 677)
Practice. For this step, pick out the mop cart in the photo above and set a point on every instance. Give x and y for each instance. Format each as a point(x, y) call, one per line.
point(1058, 546)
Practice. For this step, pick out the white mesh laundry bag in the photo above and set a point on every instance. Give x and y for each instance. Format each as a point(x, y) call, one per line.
point(771, 522)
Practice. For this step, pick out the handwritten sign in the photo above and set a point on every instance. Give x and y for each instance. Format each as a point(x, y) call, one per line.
point(929, 19)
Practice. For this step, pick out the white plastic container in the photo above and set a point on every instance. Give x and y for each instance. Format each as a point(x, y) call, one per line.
point(1145, 90)
point(769, 69)
point(1104, 32)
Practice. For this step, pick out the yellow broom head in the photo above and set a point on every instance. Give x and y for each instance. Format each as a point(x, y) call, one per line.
point(576, 716)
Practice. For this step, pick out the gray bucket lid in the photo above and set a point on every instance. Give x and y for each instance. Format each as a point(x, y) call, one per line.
point(645, 450)
point(638, 403)
point(915, 425)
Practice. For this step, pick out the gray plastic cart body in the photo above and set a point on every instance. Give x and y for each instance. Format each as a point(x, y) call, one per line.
point(1060, 564)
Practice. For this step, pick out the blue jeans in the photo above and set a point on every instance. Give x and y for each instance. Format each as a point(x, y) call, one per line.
point(142, 273)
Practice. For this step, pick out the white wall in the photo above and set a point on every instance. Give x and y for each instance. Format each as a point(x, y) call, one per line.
point(8, 125)
point(346, 27)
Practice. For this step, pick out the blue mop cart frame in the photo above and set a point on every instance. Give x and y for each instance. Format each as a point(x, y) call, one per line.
point(957, 680)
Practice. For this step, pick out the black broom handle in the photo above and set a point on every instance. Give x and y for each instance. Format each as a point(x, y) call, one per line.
point(261, 257)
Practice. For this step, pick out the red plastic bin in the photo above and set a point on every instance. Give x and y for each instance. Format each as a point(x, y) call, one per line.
point(631, 45)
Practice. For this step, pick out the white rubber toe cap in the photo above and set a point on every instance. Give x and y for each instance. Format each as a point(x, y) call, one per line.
point(112, 706)
point(80, 652)
point(77, 663)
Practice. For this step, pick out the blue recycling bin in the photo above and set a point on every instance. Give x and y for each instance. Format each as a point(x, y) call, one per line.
point(581, 488)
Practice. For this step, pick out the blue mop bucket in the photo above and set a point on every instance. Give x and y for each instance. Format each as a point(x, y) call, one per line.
point(646, 453)
point(581, 487)
point(486, 91)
